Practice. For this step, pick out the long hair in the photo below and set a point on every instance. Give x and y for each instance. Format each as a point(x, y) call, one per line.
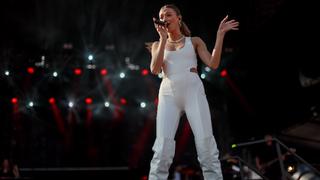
point(183, 27)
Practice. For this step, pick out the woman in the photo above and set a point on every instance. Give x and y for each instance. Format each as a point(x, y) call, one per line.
point(181, 90)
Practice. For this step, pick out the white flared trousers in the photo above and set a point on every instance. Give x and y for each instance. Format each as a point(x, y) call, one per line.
point(180, 93)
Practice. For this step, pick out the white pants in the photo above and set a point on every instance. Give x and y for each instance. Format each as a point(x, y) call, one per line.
point(180, 93)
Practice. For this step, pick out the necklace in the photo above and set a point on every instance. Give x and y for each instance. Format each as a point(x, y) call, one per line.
point(176, 41)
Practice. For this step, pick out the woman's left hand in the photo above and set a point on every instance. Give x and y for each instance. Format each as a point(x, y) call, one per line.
point(226, 26)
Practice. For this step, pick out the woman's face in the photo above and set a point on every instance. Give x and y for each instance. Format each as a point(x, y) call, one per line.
point(170, 17)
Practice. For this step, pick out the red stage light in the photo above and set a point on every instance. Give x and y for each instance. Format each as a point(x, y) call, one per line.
point(14, 100)
point(52, 100)
point(77, 71)
point(103, 72)
point(30, 70)
point(123, 101)
point(144, 72)
point(223, 73)
point(88, 100)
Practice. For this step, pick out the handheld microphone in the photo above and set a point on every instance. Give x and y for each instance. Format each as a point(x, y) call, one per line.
point(159, 22)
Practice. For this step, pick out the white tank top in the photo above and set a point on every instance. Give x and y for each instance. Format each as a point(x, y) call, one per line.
point(180, 60)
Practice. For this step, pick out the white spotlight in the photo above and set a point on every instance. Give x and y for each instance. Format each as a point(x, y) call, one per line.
point(207, 69)
point(203, 76)
point(122, 75)
point(143, 104)
point(106, 104)
point(55, 74)
point(70, 104)
point(30, 104)
point(90, 57)
point(7, 73)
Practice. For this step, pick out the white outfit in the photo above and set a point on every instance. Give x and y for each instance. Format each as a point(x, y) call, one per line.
point(182, 91)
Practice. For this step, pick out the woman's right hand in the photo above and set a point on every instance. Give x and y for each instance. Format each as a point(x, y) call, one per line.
point(161, 30)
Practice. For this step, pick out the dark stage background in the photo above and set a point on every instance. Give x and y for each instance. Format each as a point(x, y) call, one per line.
point(272, 81)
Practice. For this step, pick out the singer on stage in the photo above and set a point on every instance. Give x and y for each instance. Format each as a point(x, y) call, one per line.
point(182, 91)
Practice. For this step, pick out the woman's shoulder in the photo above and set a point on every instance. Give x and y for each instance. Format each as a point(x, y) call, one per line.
point(196, 38)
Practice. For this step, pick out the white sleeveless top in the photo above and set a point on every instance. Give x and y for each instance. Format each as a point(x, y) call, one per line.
point(180, 60)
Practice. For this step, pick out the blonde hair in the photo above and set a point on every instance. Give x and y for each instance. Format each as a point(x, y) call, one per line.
point(183, 27)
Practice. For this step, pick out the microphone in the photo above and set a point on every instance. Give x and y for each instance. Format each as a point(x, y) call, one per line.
point(159, 22)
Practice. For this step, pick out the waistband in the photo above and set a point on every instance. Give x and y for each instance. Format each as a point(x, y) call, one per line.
point(192, 69)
